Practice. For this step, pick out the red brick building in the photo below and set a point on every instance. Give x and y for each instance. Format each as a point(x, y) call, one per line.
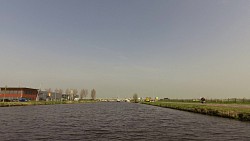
point(15, 93)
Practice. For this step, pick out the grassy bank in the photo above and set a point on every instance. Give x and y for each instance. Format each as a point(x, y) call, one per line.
point(236, 111)
point(218, 101)
point(30, 103)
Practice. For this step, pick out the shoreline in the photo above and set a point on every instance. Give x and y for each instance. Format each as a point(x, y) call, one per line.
point(236, 111)
point(34, 103)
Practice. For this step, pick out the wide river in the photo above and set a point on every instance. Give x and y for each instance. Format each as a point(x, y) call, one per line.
point(114, 121)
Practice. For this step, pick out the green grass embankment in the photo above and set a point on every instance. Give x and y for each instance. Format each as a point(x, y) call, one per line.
point(237, 111)
point(30, 103)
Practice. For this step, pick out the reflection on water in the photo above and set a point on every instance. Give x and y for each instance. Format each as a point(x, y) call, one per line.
point(114, 121)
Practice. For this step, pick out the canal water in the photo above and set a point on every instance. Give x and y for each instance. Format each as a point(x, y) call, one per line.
point(114, 121)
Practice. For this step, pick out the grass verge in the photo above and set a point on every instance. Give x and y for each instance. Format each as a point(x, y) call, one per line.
point(30, 103)
point(240, 112)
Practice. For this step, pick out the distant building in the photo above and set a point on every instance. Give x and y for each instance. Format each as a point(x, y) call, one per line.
point(15, 93)
point(43, 95)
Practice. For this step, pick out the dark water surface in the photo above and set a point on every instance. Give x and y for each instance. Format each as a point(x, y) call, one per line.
point(114, 121)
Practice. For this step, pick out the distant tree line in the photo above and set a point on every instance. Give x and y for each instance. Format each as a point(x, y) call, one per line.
point(73, 93)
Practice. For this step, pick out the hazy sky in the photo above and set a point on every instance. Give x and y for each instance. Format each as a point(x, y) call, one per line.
point(165, 48)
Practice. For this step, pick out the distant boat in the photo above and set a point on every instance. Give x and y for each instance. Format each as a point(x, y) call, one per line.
point(118, 100)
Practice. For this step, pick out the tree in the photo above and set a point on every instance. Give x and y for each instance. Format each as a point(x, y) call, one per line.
point(75, 91)
point(86, 92)
point(93, 94)
point(56, 92)
point(71, 94)
point(49, 90)
point(135, 98)
point(83, 93)
point(67, 91)
point(60, 91)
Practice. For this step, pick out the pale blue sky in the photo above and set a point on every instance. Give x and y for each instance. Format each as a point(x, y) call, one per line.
point(165, 48)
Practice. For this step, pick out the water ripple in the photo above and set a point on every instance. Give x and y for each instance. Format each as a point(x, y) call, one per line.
point(114, 121)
